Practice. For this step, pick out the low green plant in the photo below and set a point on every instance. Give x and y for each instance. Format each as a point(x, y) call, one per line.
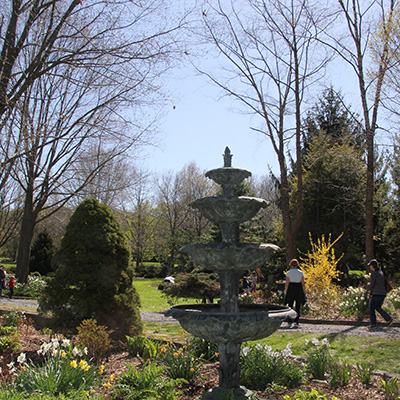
point(7, 330)
point(10, 343)
point(390, 387)
point(142, 347)
point(33, 288)
point(313, 395)
point(261, 366)
point(63, 371)
point(146, 384)
point(11, 318)
point(340, 374)
point(180, 362)
point(11, 394)
point(354, 302)
point(319, 359)
point(364, 371)
point(394, 298)
point(96, 338)
point(203, 348)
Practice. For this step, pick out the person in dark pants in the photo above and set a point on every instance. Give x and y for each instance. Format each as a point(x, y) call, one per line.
point(11, 284)
point(295, 289)
point(2, 279)
point(377, 291)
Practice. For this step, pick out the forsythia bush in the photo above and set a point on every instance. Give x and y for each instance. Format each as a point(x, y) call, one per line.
point(320, 269)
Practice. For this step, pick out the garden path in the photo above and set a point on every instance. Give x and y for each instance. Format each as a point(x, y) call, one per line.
point(353, 328)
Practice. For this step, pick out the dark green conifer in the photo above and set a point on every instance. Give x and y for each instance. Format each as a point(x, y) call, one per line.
point(94, 276)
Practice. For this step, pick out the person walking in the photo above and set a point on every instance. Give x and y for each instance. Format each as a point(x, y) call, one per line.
point(11, 284)
point(253, 285)
point(295, 290)
point(377, 292)
point(3, 276)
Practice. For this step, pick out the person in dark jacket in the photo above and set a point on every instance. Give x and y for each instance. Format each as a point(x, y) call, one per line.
point(377, 291)
point(295, 289)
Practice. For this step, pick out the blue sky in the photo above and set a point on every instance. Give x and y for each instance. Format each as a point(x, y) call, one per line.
point(200, 127)
point(200, 124)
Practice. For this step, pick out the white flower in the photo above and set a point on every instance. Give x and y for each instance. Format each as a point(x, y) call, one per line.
point(55, 343)
point(245, 350)
point(1, 370)
point(75, 351)
point(315, 341)
point(10, 365)
point(325, 342)
point(85, 351)
point(65, 343)
point(44, 348)
point(268, 349)
point(307, 341)
point(21, 358)
point(259, 346)
point(287, 351)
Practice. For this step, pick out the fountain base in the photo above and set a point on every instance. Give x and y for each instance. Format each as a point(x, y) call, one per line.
point(220, 393)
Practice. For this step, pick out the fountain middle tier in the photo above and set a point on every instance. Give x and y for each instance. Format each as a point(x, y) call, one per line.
point(220, 209)
point(252, 322)
point(230, 256)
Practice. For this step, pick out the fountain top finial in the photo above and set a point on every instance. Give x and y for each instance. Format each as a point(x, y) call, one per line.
point(227, 157)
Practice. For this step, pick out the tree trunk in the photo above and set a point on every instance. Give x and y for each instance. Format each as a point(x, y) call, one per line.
point(369, 203)
point(25, 240)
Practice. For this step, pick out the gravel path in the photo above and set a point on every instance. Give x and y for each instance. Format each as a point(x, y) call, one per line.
point(354, 329)
point(312, 327)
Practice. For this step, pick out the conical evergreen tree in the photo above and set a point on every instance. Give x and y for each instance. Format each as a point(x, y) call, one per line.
point(94, 276)
point(42, 253)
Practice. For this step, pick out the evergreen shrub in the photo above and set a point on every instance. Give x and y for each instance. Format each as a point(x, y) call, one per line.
point(93, 274)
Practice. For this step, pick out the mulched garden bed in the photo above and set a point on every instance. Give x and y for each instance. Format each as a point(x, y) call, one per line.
point(117, 361)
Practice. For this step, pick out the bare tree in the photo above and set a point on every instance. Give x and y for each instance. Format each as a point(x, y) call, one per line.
point(270, 62)
point(88, 81)
point(175, 193)
point(360, 19)
point(138, 214)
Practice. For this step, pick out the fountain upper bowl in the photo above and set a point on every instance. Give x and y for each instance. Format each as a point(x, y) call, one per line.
point(228, 175)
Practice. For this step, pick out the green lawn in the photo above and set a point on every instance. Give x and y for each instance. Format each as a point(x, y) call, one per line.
point(152, 299)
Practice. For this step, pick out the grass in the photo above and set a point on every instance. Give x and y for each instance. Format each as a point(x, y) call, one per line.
point(384, 353)
point(153, 300)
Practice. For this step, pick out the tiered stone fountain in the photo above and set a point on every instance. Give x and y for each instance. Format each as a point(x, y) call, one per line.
point(229, 323)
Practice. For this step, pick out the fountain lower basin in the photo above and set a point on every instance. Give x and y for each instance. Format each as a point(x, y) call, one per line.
point(230, 256)
point(252, 322)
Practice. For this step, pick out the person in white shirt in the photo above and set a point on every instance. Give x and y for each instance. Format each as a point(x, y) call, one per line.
point(295, 289)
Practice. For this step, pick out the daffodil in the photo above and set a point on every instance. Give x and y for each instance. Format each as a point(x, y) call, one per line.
point(21, 358)
point(84, 365)
point(73, 364)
